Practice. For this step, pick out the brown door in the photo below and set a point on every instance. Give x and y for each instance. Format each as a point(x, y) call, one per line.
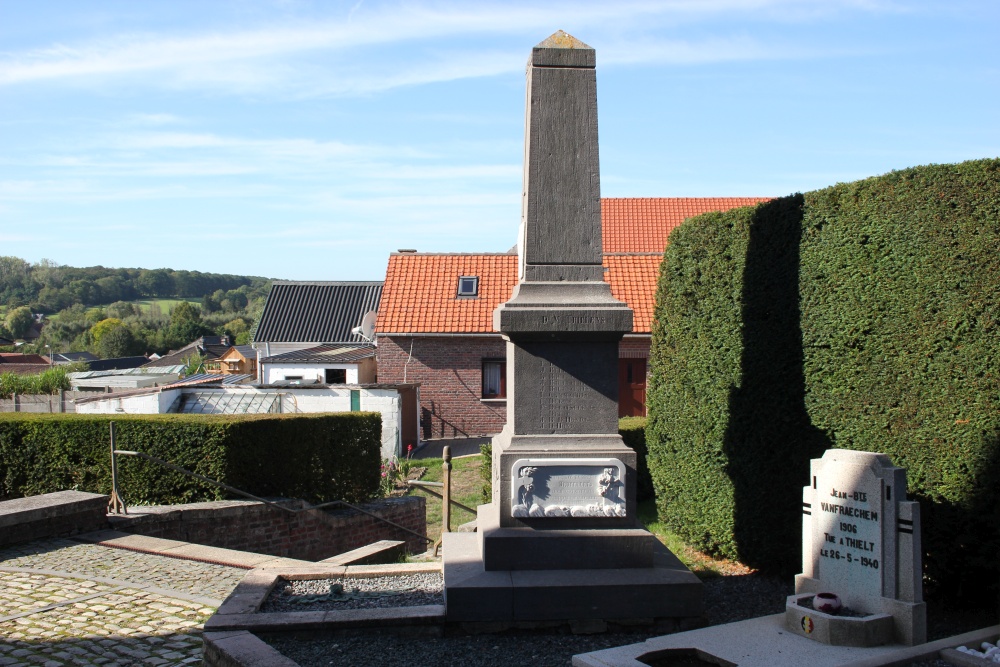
point(631, 387)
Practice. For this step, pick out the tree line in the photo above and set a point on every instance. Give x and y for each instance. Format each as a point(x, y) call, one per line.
point(96, 309)
point(47, 287)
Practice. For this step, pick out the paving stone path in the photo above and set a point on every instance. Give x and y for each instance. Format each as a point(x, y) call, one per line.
point(65, 603)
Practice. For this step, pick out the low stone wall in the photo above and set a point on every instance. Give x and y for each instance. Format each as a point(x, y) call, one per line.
point(51, 515)
point(253, 526)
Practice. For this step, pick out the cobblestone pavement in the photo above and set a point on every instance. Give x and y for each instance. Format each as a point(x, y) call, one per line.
point(66, 603)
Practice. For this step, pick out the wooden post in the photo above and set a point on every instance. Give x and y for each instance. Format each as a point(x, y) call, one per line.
point(446, 491)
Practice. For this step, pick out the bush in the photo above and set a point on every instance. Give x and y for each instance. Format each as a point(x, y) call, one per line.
point(49, 381)
point(314, 457)
point(862, 316)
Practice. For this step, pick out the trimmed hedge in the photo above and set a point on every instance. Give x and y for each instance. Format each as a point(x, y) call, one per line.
point(314, 457)
point(896, 350)
point(633, 432)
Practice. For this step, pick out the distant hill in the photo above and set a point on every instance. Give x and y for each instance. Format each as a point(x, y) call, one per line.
point(47, 287)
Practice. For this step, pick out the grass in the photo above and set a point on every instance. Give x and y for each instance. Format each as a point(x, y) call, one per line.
point(166, 305)
point(466, 486)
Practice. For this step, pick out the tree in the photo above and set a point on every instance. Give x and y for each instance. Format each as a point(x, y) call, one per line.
point(102, 328)
point(116, 342)
point(157, 282)
point(185, 312)
point(19, 321)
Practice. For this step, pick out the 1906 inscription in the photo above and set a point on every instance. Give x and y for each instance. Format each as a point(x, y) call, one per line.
point(849, 535)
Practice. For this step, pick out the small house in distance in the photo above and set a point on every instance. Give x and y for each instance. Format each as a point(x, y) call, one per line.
point(306, 335)
point(237, 360)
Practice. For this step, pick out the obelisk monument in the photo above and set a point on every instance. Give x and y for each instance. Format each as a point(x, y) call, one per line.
point(560, 539)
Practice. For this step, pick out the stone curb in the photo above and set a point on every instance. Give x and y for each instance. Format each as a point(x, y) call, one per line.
point(186, 551)
point(239, 610)
point(240, 649)
point(932, 649)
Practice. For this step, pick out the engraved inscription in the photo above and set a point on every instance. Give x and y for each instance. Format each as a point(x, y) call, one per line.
point(848, 530)
point(567, 488)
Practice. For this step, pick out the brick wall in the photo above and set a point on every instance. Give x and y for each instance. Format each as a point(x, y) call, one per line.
point(252, 526)
point(449, 370)
point(58, 514)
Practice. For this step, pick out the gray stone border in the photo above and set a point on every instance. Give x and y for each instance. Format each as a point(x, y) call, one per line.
point(240, 610)
point(228, 635)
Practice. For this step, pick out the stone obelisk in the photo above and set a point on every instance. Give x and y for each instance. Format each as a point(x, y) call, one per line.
point(560, 540)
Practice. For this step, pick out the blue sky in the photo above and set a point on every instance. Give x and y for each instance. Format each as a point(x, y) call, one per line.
point(306, 140)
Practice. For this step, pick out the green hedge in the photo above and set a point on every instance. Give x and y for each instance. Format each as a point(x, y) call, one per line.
point(315, 457)
point(633, 432)
point(861, 316)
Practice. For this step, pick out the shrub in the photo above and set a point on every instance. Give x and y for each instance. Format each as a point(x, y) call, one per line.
point(315, 457)
point(861, 316)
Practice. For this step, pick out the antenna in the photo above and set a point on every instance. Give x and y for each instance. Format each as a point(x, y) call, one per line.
point(367, 327)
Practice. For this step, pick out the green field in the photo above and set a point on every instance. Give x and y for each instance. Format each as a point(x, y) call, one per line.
point(166, 305)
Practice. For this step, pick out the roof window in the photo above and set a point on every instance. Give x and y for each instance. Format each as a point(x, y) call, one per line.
point(468, 286)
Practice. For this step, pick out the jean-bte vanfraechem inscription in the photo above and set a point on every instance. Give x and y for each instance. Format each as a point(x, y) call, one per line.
point(853, 539)
point(550, 488)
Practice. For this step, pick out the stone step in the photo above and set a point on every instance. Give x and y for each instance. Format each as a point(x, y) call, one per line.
point(185, 550)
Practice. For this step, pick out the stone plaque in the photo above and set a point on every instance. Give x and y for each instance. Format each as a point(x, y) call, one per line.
point(549, 488)
point(847, 528)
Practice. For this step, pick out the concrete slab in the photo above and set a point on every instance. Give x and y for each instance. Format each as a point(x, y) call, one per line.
point(766, 642)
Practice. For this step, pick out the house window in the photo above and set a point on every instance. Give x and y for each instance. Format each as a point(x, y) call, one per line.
point(336, 376)
point(494, 378)
point(468, 286)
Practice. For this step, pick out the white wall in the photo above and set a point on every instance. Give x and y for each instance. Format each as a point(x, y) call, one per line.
point(331, 398)
point(272, 373)
point(142, 404)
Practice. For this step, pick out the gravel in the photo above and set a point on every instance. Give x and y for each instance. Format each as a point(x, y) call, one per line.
point(727, 599)
point(356, 593)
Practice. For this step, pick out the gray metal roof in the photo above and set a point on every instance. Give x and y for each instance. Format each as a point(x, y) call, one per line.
point(316, 312)
point(320, 354)
point(218, 403)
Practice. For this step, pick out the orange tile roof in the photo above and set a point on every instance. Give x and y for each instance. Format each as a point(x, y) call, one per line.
point(642, 224)
point(420, 292)
point(633, 280)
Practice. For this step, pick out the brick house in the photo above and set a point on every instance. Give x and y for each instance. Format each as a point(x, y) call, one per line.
point(435, 321)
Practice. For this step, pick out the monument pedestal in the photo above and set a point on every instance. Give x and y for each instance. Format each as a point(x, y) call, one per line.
point(665, 589)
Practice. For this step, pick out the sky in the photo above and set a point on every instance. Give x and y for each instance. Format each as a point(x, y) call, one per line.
point(306, 140)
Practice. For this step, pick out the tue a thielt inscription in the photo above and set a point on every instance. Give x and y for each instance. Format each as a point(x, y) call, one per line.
point(550, 488)
point(848, 535)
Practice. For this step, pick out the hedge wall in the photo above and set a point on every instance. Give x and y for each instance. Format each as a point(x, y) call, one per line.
point(315, 457)
point(896, 349)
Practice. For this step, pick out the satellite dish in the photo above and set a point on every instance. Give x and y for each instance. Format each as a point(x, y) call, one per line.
point(367, 328)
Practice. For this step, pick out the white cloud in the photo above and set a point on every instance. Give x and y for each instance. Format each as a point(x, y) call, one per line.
point(343, 53)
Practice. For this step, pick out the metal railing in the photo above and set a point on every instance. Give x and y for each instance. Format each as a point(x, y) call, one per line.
point(445, 495)
point(117, 505)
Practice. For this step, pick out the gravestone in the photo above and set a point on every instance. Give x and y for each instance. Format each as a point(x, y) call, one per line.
point(860, 541)
point(561, 539)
